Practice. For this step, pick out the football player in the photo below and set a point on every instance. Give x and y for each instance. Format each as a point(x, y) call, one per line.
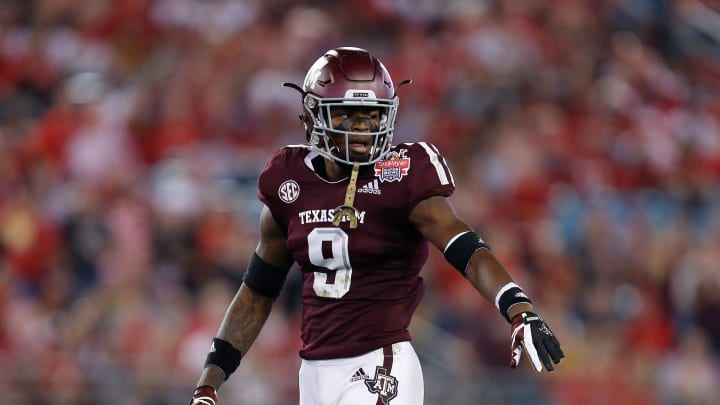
point(356, 213)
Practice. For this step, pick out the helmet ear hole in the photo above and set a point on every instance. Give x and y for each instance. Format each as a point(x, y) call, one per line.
point(310, 102)
point(383, 120)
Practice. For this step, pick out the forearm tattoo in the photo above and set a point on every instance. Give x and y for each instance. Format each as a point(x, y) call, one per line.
point(243, 321)
point(245, 318)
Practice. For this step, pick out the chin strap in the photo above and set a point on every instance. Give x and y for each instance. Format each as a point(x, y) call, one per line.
point(347, 209)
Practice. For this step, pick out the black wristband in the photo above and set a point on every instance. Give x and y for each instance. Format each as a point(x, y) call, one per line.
point(509, 295)
point(223, 355)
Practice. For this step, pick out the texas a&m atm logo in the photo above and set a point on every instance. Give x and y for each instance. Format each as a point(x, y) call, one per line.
point(385, 385)
point(394, 167)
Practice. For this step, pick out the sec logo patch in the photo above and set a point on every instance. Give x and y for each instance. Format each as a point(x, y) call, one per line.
point(289, 191)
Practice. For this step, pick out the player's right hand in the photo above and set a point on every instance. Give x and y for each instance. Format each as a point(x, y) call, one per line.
point(204, 395)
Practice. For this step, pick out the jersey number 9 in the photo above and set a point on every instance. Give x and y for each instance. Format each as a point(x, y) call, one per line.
point(336, 240)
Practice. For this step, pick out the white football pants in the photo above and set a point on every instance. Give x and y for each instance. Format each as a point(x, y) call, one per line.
point(387, 376)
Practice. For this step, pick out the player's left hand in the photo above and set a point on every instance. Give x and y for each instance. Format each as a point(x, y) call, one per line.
point(532, 335)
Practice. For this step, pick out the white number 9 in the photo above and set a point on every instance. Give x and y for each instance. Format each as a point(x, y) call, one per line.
point(339, 261)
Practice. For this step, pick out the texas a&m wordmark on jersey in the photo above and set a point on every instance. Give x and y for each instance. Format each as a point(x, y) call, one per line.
point(345, 270)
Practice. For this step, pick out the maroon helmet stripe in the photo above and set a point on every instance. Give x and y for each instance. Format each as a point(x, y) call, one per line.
point(387, 365)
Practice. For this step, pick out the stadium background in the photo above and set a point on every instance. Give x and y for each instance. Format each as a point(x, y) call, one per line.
point(584, 136)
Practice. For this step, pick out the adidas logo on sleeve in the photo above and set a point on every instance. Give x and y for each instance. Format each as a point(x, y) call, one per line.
point(371, 188)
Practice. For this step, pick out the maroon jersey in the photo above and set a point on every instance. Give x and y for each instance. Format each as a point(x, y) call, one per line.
point(360, 286)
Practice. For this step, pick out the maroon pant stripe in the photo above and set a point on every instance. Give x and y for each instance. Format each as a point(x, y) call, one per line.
point(387, 364)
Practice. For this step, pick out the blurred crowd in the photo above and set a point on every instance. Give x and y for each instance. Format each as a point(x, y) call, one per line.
point(584, 136)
